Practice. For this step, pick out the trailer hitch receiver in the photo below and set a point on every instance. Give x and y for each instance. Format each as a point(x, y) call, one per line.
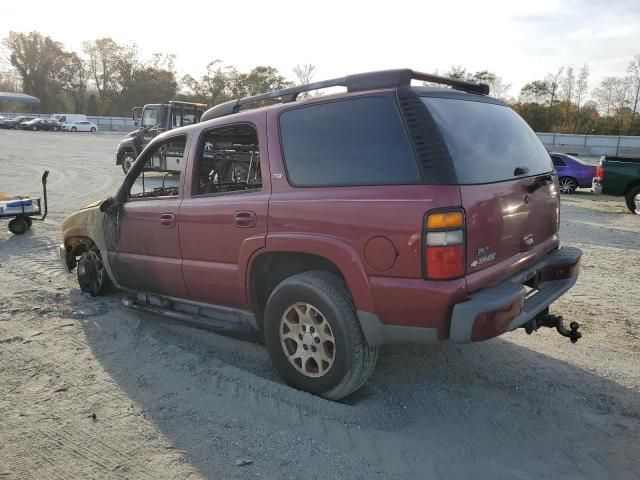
point(555, 321)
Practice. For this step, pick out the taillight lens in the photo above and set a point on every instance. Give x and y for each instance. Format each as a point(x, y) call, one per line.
point(600, 172)
point(444, 245)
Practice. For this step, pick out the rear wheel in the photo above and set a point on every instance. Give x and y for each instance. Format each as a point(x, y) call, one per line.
point(568, 185)
point(92, 276)
point(18, 226)
point(93, 130)
point(314, 338)
point(633, 200)
point(74, 129)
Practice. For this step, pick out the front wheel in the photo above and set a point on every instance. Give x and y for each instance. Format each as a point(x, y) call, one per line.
point(93, 130)
point(92, 276)
point(633, 200)
point(314, 337)
point(127, 162)
point(568, 185)
point(74, 129)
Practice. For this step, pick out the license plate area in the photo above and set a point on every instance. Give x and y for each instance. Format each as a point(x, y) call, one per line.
point(531, 285)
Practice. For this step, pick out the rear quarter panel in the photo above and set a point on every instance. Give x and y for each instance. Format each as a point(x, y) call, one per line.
point(618, 176)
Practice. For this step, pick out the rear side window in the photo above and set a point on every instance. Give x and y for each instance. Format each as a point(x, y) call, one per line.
point(557, 161)
point(358, 141)
point(487, 142)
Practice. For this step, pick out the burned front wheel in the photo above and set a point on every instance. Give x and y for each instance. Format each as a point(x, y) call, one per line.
point(314, 337)
point(92, 276)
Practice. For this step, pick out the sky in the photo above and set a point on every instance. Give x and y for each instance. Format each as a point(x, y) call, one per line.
point(519, 40)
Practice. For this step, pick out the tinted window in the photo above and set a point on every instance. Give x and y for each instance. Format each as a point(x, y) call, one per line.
point(350, 142)
point(487, 142)
point(557, 161)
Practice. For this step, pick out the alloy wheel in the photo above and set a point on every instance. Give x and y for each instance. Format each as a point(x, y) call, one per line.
point(567, 185)
point(307, 340)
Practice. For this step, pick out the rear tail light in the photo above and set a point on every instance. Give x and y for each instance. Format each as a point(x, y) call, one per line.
point(444, 245)
point(600, 172)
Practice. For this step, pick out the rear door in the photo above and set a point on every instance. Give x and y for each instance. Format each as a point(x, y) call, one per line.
point(223, 218)
point(507, 185)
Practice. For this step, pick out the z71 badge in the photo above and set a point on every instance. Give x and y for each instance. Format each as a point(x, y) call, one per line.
point(483, 255)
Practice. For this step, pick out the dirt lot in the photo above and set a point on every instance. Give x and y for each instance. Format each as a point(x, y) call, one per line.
point(175, 402)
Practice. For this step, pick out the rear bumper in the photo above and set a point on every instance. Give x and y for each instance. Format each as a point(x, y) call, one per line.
point(504, 307)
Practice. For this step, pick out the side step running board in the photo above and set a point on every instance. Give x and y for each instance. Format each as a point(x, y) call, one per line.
point(241, 331)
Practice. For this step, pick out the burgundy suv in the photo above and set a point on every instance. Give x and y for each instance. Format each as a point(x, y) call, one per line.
point(335, 224)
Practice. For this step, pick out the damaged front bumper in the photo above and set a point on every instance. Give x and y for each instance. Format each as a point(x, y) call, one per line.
point(515, 302)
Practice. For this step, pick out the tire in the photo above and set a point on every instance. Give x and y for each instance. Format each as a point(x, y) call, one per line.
point(18, 226)
point(93, 130)
point(55, 129)
point(92, 276)
point(568, 185)
point(74, 129)
point(341, 360)
point(633, 200)
point(127, 162)
point(34, 128)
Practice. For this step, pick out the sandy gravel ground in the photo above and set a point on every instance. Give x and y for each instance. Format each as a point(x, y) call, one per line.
point(89, 389)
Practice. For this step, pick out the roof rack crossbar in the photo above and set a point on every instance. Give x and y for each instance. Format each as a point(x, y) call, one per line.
point(354, 83)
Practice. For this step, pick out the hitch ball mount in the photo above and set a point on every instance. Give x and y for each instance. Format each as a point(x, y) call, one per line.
point(555, 321)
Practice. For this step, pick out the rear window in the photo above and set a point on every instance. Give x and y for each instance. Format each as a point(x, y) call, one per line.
point(487, 142)
point(358, 141)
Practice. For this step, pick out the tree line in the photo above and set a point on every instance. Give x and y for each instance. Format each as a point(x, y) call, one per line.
point(109, 78)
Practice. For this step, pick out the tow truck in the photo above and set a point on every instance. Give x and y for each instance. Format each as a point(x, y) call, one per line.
point(152, 120)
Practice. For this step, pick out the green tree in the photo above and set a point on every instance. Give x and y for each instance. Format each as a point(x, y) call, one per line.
point(41, 63)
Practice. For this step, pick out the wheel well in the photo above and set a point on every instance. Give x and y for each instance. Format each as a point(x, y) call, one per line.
point(632, 185)
point(122, 152)
point(75, 247)
point(269, 269)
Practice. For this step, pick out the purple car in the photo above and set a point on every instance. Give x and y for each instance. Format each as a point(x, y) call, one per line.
point(572, 172)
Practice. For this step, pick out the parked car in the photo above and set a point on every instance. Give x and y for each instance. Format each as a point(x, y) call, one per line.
point(620, 177)
point(372, 218)
point(573, 172)
point(81, 126)
point(69, 117)
point(15, 121)
point(41, 124)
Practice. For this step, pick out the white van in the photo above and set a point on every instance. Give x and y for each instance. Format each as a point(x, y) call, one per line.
point(68, 117)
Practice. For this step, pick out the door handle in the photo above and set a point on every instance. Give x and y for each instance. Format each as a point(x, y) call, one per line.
point(168, 220)
point(246, 219)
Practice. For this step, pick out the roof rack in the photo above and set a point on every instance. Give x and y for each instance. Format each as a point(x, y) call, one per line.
point(354, 83)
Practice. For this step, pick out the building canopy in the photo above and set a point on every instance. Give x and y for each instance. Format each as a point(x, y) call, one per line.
point(18, 98)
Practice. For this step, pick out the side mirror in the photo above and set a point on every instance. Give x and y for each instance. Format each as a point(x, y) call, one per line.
point(107, 204)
